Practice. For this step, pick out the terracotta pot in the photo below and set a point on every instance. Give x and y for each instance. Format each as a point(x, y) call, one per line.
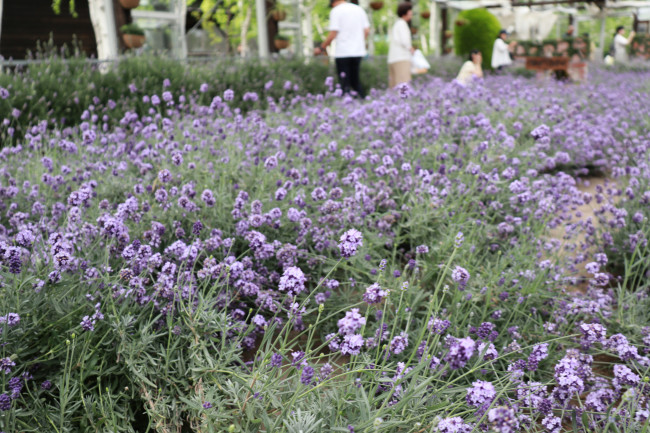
point(133, 41)
point(129, 4)
point(280, 44)
point(376, 5)
point(425, 14)
point(279, 15)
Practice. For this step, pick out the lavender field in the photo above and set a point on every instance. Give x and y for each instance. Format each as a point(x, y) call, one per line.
point(428, 260)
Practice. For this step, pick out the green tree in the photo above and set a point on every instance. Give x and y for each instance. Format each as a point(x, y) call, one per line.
point(476, 29)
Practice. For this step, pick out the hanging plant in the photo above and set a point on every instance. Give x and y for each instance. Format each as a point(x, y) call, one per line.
point(425, 14)
point(281, 42)
point(132, 35)
point(278, 14)
point(376, 5)
point(130, 4)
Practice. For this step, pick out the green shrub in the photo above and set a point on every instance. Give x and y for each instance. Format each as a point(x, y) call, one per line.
point(476, 29)
point(132, 29)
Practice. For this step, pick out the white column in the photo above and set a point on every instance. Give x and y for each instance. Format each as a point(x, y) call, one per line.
point(434, 28)
point(307, 28)
point(262, 31)
point(602, 48)
point(181, 12)
point(102, 18)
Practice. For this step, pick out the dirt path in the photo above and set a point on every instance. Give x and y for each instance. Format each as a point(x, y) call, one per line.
point(585, 185)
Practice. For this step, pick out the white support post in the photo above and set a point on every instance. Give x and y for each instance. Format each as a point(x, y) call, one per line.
point(434, 29)
point(181, 12)
point(601, 48)
point(102, 18)
point(262, 31)
point(307, 31)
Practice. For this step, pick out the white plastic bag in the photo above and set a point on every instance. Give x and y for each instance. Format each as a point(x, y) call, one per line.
point(419, 64)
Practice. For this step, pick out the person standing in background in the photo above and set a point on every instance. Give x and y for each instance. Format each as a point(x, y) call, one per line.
point(350, 27)
point(501, 51)
point(620, 44)
point(400, 48)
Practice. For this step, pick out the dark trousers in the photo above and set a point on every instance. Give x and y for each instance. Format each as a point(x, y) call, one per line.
point(348, 70)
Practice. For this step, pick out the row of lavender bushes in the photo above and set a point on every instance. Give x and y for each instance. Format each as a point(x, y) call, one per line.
point(59, 89)
point(330, 264)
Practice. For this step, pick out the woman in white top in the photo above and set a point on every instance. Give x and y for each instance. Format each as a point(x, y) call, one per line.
point(400, 47)
point(501, 51)
point(620, 44)
point(471, 69)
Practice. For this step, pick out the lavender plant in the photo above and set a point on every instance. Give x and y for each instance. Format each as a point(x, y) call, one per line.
point(330, 264)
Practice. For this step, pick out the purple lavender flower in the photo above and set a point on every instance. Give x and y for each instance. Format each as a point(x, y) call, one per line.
point(6, 365)
point(46, 385)
point(352, 344)
point(352, 322)
point(454, 425)
point(540, 352)
point(207, 405)
point(399, 343)
point(460, 276)
point(421, 249)
point(460, 351)
point(552, 424)
point(438, 326)
point(87, 324)
point(307, 375)
point(325, 372)
point(276, 360)
point(374, 294)
point(592, 333)
point(625, 376)
point(349, 243)
point(5, 402)
point(481, 393)
point(292, 281)
point(503, 419)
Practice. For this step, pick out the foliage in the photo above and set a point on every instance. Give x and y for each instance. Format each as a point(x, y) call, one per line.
point(132, 29)
point(640, 47)
point(405, 263)
point(59, 90)
point(476, 29)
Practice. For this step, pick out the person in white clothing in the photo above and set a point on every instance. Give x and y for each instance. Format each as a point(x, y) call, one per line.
point(471, 69)
point(620, 44)
point(501, 51)
point(400, 48)
point(350, 27)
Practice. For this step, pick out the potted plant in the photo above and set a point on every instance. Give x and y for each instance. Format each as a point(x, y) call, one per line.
point(425, 14)
point(376, 5)
point(278, 13)
point(129, 4)
point(281, 42)
point(132, 35)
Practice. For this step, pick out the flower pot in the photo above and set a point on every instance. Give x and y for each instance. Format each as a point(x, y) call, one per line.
point(279, 15)
point(133, 41)
point(376, 5)
point(281, 44)
point(425, 14)
point(129, 4)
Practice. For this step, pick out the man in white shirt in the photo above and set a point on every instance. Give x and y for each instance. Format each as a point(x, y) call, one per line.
point(350, 27)
point(501, 52)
